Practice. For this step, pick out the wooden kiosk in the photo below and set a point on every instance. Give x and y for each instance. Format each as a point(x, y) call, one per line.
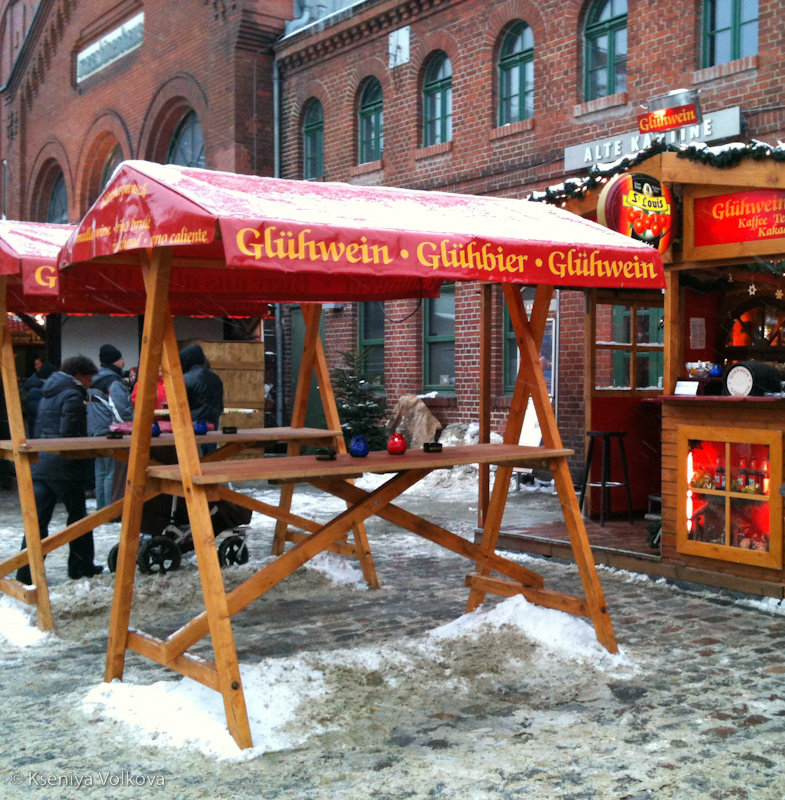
point(289, 241)
point(722, 403)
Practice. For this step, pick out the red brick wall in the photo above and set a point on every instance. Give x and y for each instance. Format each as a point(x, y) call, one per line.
point(664, 44)
point(215, 58)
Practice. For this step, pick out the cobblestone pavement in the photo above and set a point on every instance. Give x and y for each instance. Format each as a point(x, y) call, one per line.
point(699, 713)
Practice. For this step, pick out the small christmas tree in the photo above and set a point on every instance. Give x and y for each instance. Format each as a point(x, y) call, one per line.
point(361, 409)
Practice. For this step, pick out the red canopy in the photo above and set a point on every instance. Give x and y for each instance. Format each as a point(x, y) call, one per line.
point(29, 252)
point(305, 241)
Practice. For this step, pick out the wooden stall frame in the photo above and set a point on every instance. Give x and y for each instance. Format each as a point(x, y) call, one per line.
point(195, 481)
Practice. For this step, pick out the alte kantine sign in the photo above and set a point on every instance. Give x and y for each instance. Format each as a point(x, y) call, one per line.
point(748, 216)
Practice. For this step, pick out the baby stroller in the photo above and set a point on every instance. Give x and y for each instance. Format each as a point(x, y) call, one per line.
point(166, 534)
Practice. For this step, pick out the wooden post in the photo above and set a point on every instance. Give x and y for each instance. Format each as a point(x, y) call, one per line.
point(484, 476)
point(311, 315)
point(532, 374)
point(512, 434)
point(24, 477)
point(156, 266)
point(218, 617)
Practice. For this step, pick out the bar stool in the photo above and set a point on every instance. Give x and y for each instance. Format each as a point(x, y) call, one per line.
point(605, 483)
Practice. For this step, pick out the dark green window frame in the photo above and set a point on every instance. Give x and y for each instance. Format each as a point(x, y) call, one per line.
point(442, 341)
point(516, 75)
point(370, 122)
point(437, 100)
point(730, 30)
point(187, 146)
point(369, 344)
point(313, 141)
point(605, 37)
point(631, 354)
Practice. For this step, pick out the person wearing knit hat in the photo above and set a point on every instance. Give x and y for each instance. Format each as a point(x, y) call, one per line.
point(109, 355)
point(109, 402)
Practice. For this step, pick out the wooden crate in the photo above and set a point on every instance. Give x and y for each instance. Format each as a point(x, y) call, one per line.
point(240, 365)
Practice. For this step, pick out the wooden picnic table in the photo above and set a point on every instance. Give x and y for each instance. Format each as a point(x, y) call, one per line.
point(26, 453)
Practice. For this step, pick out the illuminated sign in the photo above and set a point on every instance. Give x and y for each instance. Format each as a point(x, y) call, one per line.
point(748, 216)
point(675, 110)
point(638, 206)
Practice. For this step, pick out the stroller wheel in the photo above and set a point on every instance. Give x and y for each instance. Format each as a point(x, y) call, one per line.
point(158, 554)
point(111, 559)
point(232, 550)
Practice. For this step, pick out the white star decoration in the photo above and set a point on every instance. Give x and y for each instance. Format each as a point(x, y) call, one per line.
point(752, 289)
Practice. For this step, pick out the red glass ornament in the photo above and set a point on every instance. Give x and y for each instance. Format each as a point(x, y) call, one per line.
point(396, 444)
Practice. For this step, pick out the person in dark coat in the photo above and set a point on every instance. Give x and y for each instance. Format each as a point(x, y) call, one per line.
point(204, 388)
point(32, 391)
point(110, 402)
point(62, 414)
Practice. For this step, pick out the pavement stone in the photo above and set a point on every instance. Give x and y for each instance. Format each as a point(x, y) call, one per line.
point(701, 714)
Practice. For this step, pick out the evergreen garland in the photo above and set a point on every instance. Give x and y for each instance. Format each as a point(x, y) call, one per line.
point(728, 155)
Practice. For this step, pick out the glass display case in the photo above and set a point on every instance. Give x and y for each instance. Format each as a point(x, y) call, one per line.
point(729, 505)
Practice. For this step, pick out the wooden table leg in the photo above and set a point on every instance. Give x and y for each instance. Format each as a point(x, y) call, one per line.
point(24, 477)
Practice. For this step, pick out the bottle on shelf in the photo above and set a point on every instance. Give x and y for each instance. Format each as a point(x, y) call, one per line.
point(719, 474)
point(765, 481)
point(753, 478)
point(741, 480)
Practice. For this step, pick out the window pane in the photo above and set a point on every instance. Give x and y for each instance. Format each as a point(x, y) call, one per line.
point(649, 326)
point(373, 320)
point(441, 315)
point(57, 208)
point(373, 364)
point(748, 44)
point(612, 369)
point(441, 364)
point(187, 146)
point(613, 324)
point(649, 369)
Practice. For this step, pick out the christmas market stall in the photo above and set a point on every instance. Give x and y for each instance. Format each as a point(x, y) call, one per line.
point(721, 392)
point(303, 242)
point(30, 283)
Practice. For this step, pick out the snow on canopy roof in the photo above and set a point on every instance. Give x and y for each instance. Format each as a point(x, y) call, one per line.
point(33, 242)
point(29, 252)
point(300, 240)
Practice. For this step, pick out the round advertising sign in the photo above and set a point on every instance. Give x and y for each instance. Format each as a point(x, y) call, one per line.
point(638, 206)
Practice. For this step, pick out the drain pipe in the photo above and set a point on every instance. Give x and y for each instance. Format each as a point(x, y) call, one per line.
point(279, 393)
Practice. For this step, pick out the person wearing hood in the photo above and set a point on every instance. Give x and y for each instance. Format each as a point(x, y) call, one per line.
point(62, 414)
point(204, 388)
point(110, 401)
point(32, 392)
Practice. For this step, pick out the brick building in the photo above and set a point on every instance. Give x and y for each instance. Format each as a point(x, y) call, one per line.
point(505, 97)
point(86, 85)
point(508, 98)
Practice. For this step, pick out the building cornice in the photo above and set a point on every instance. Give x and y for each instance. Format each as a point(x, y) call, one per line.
point(321, 41)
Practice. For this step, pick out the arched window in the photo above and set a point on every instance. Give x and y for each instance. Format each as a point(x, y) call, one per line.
point(313, 141)
point(113, 160)
point(516, 75)
point(606, 48)
point(57, 207)
point(730, 30)
point(187, 146)
point(437, 100)
point(370, 122)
